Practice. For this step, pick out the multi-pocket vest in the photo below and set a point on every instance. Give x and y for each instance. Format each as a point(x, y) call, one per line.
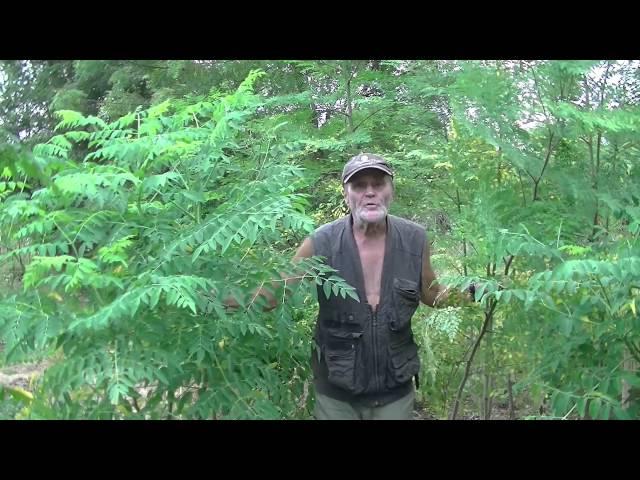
point(360, 354)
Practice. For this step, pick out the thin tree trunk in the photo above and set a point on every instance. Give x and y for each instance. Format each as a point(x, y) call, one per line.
point(349, 107)
point(488, 378)
point(630, 364)
point(524, 199)
point(536, 182)
point(486, 396)
point(464, 241)
point(512, 414)
point(595, 184)
point(487, 320)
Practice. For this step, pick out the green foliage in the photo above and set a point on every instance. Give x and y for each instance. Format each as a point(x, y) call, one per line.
point(168, 185)
point(130, 252)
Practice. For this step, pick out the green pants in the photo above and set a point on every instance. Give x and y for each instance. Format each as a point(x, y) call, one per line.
point(326, 408)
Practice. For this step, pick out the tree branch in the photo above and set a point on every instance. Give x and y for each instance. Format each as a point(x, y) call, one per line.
point(443, 191)
point(535, 81)
point(334, 110)
point(369, 116)
point(604, 83)
point(508, 264)
point(144, 65)
point(546, 162)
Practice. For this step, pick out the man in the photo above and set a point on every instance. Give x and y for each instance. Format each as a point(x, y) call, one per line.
point(364, 358)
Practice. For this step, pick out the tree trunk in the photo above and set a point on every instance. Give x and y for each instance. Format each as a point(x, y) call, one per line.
point(464, 240)
point(629, 364)
point(488, 380)
point(349, 107)
point(512, 414)
point(487, 320)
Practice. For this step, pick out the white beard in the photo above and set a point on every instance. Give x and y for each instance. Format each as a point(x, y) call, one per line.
point(363, 216)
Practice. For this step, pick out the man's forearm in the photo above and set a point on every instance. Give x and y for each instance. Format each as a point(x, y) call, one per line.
point(231, 303)
point(265, 293)
point(439, 296)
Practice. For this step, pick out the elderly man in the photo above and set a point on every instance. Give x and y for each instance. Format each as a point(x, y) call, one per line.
point(365, 357)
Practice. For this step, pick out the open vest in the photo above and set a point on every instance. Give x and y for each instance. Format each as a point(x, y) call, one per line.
point(362, 355)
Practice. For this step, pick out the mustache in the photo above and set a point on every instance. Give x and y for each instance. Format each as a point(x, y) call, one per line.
point(362, 210)
point(381, 205)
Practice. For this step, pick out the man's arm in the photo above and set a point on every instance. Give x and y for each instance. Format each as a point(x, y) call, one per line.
point(433, 294)
point(305, 250)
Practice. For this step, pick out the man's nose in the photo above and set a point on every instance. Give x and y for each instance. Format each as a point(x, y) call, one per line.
point(370, 191)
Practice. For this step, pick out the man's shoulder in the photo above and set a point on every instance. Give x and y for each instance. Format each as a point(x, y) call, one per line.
point(324, 237)
point(329, 228)
point(405, 224)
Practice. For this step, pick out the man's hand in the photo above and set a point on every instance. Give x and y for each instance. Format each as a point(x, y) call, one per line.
point(304, 251)
point(449, 297)
point(472, 292)
point(230, 303)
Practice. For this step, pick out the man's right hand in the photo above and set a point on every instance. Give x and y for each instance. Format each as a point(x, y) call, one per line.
point(230, 303)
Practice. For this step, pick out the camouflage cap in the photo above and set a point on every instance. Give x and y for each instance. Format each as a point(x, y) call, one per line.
point(363, 161)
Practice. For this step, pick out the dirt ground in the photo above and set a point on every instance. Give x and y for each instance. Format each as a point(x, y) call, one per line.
point(22, 375)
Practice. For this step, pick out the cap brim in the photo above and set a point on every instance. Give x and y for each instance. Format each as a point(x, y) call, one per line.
point(368, 167)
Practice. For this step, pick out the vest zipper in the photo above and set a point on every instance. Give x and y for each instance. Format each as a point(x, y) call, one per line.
point(374, 338)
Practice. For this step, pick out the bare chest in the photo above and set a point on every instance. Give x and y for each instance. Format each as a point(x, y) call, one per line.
point(372, 259)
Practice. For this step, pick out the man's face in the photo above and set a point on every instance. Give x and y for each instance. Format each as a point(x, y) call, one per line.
point(368, 195)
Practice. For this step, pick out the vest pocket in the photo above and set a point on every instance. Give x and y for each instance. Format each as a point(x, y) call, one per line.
point(340, 353)
point(406, 299)
point(404, 363)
